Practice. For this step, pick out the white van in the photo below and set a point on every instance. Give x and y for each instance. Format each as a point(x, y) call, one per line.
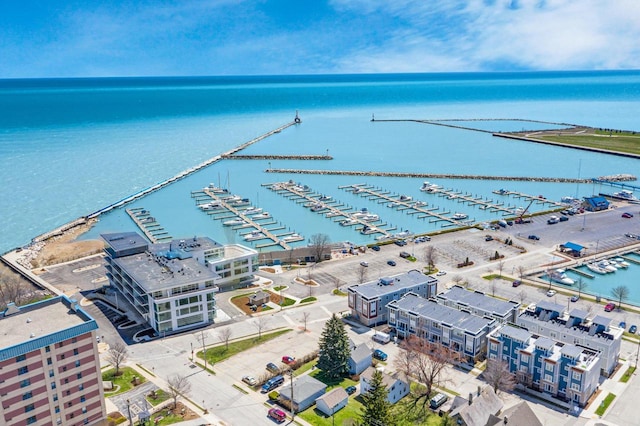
point(438, 400)
point(381, 337)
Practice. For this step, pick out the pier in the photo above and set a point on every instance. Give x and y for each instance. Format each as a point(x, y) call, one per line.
point(532, 198)
point(191, 170)
point(231, 204)
point(277, 157)
point(148, 225)
point(428, 175)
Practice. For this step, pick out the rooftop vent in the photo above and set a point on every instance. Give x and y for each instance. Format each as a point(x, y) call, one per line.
point(32, 335)
point(28, 320)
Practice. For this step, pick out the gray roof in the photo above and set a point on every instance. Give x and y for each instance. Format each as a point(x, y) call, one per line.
point(600, 320)
point(571, 350)
point(519, 334)
point(443, 314)
point(478, 300)
point(387, 379)
point(121, 241)
point(360, 353)
point(525, 319)
point(579, 313)
point(545, 343)
point(334, 397)
point(480, 410)
point(406, 280)
point(521, 415)
point(550, 306)
point(304, 387)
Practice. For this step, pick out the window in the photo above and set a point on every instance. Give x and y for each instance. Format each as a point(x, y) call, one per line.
point(62, 356)
point(494, 346)
point(83, 398)
point(81, 387)
point(55, 396)
point(29, 407)
point(575, 387)
point(51, 373)
point(78, 363)
point(47, 348)
point(524, 358)
point(84, 410)
point(75, 351)
point(70, 404)
point(64, 368)
point(68, 392)
point(86, 421)
point(74, 340)
point(524, 369)
point(23, 370)
point(31, 420)
point(53, 385)
point(25, 383)
point(548, 367)
point(61, 344)
point(57, 409)
point(27, 395)
point(79, 376)
point(548, 377)
point(576, 375)
point(49, 362)
point(66, 381)
point(21, 358)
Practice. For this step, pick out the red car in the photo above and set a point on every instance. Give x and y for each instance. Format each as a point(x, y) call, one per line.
point(288, 359)
point(277, 415)
point(627, 215)
point(609, 307)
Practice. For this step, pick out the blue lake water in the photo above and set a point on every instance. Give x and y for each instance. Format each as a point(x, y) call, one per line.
point(71, 147)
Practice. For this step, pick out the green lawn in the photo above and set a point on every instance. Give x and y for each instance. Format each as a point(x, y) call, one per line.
point(605, 404)
point(627, 374)
point(161, 396)
point(220, 353)
point(288, 302)
point(347, 416)
point(308, 299)
point(123, 380)
point(305, 367)
point(617, 142)
point(280, 287)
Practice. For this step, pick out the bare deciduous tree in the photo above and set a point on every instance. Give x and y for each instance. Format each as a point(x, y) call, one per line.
point(581, 285)
point(116, 355)
point(621, 293)
point(305, 319)
point(457, 279)
point(225, 335)
point(178, 386)
point(12, 289)
point(493, 286)
point(498, 376)
point(430, 257)
point(311, 290)
point(319, 244)
point(521, 271)
point(424, 362)
point(522, 295)
point(337, 282)
point(260, 323)
point(500, 268)
point(362, 274)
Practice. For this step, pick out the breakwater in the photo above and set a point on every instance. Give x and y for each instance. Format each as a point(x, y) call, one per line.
point(277, 157)
point(429, 175)
point(447, 122)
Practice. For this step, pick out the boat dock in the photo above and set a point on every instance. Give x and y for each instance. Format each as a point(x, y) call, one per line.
point(399, 203)
point(474, 200)
point(233, 207)
point(149, 225)
point(346, 216)
point(533, 198)
point(277, 157)
point(579, 272)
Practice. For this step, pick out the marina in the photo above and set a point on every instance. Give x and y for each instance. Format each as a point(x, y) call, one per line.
point(149, 225)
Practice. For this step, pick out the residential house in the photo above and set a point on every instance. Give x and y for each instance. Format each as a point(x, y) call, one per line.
point(50, 366)
point(477, 410)
point(332, 401)
point(397, 388)
point(520, 414)
point(598, 333)
point(360, 358)
point(569, 373)
point(458, 330)
point(306, 390)
point(368, 302)
point(479, 304)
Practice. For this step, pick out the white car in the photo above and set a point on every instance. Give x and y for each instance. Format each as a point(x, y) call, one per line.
point(551, 293)
point(441, 273)
point(250, 380)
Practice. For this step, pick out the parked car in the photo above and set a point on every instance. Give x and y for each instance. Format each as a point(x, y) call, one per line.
point(391, 262)
point(250, 380)
point(633, 329)
point(363, 263)
point(441, 273)
point(288, 359)
point(404, 254)
point(375, 248)
point(575, 298)
point(609, 307)
point(563, 218)
point(272, 383)
point(623, 325)
point(437, 401)
point(516, 283)
point(400, 243)
point(378, 354)
point(534, 237)
point(277, 415)
point(627, 215)
point(273, 368)
point(553, 220)
point(350, 390)
point(488, 238)
point(551, 293)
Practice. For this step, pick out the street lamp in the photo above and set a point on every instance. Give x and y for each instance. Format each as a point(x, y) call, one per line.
point(129, 411)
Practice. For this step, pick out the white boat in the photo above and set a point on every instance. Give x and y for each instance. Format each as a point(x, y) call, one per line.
point(429, 187)
point(402, 235)
point(370, 218)
point(419, 204)
point(625, 194)
point(211, 206)
point(568, 200)
point(264, 215)
point(459, 216)
point(233, 222)
point(255, 235)
point(292, 237)
point(393, 204)
point(367, 230)
point(317, 207)
point(216, 189)
point(595, 268)
point(252, 210)
point(325, 198)
point(362, 213)
point(604, 264)
point(561, 277)
point(405, 198)
point(333, 214)
point(348, 222)
point(621, 262)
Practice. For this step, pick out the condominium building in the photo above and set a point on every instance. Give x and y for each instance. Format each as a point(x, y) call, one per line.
point(569, 373)
point(458, 330)
point(173, 285)
point(598, 333)
point(49, 366)
point(479, 304)
point(368, 302)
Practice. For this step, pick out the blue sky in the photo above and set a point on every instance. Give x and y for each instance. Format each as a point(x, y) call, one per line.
point(79, 38)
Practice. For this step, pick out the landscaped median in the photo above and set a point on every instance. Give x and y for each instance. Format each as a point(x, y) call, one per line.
point(605, 404)
point(124, 381)
point(221, 352)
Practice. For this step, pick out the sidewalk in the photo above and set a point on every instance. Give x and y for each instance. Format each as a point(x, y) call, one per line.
point(611, 385)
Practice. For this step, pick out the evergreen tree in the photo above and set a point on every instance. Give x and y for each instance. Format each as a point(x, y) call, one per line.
point(334, 354)
point(375, 404)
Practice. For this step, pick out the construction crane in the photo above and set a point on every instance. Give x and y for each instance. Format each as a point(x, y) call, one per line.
point(520, 219)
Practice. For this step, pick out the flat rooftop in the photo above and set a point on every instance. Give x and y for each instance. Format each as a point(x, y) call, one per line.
point(445, 315)
point(38, 320)
point(477, 300)
point(373, 289)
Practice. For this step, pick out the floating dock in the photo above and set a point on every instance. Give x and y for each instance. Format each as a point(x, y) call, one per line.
point(148, 225)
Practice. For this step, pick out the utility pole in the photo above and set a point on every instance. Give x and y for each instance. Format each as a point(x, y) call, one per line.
point(204, 353)
point(129, 411)
point(293, 411)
